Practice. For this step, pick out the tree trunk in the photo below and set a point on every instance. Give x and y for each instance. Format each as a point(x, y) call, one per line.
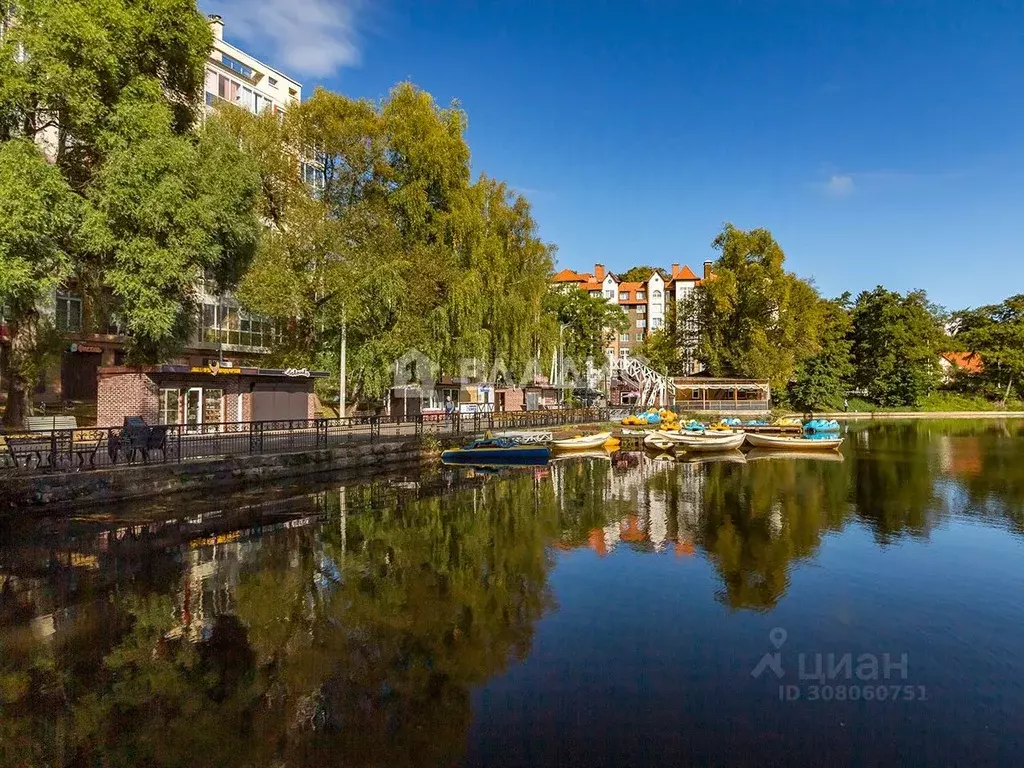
point(18, 383)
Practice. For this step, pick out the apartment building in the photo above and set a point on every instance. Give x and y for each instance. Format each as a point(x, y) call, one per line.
point(225, 332)
point(646, 304)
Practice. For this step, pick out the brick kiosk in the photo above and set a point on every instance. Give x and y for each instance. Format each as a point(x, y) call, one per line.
point(195, 395)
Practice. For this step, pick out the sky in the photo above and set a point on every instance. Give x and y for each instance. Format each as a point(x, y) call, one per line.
point(880, 142)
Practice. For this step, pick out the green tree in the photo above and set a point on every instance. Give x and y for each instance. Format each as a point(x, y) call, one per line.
point(399, 245)
point(896, 342)
point(756, 320)
point(640, 274)
point(39, 217)
point(588, 323)
point(109, 90)
point(822, 380)
point(995, 333)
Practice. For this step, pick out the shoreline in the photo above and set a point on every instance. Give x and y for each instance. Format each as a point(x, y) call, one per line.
point(869, 415)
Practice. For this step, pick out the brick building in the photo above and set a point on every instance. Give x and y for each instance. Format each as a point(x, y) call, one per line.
point(204, 395)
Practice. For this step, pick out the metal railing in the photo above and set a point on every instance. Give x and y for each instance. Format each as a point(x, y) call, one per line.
point(82, 449)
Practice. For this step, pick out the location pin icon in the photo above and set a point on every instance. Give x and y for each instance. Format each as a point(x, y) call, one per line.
point(777, 637)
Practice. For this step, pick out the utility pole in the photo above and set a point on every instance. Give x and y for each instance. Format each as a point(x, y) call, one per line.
point(341, 369)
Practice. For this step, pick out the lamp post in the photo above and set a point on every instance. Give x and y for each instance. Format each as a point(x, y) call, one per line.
point(341, 368)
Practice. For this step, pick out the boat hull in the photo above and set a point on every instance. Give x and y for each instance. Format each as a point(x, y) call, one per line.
point(519, 455)
point(586, 443)
point(779, 442)
point(708, 443)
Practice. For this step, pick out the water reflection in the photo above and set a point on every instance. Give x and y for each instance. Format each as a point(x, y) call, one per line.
point(352, 624)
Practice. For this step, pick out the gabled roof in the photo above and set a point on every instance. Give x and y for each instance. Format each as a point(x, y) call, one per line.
point(569, 276)
point(684, 274)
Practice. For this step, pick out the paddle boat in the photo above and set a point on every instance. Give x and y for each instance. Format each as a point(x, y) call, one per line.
point(709, 442)
point(794, 442)
point(693, 427)
point(497, 450)
point(582, 442)
point(822, 425)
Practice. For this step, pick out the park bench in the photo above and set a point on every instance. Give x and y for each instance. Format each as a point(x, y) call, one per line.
point(50, 423)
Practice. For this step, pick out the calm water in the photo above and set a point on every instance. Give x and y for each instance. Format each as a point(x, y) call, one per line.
point(594, 612)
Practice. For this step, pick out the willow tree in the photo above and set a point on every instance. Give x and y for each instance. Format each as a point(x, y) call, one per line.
point(395, 243)
point(756, 319)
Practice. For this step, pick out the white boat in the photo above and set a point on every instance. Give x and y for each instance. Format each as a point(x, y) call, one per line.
point(794, 442)
point(582, 443)
point(658, 442)
point(708, 442)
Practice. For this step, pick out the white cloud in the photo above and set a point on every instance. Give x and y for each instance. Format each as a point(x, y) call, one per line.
point(839, 184)
point(304, 37)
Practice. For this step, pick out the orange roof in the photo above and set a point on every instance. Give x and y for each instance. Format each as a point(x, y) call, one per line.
point(967, 361)
point(593, 285)
point(684, 274)
point(568, 276)
point(632, 286)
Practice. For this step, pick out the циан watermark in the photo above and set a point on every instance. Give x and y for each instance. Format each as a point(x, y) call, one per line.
point(838, 676)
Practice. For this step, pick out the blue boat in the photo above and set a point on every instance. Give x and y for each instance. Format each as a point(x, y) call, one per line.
point(822, 425)
point(498, 451)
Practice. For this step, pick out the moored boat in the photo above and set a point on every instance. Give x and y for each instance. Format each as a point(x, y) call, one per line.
point(658, 441)
point(708, 442)
point(497, 450)
point(524, 438)
point(582, 443)
point(794, 442)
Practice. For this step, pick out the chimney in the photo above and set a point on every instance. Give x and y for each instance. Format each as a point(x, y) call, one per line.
point(707, 270)
point(675, 270)
point(599, 272)
point(217, 25)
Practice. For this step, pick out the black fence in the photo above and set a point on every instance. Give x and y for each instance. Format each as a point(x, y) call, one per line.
point(62, 450)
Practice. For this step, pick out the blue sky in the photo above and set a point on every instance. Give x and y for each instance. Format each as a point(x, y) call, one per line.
point(881, 142)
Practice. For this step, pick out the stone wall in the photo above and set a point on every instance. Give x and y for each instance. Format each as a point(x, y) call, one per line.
point(42, 492)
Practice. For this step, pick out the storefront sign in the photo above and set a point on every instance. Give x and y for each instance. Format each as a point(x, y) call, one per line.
point(85, 348)
point(214, 370)
point(293, 372)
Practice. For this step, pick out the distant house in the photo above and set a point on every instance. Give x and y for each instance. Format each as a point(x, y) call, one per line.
point(953, 363)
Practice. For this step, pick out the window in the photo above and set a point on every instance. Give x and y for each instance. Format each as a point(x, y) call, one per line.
point(640, 336)
point(623, 337)
point(641, 295)
point(641, 310)
point(623, 295)
point(656, 294)
point(227, 324)
point(609, 294)
point(595, 294)
point(656, 322)
point(272, 81)
point(170, 400)
point(314, 178)
point(236, 66)
point(69, 312)
point(623, 353)
point(641, 323)
point(213, 406)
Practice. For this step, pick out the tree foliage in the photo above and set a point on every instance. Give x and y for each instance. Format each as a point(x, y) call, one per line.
point(756, 320)
point(589, 323)
point(640, 274)
point(995, 334)
point(400, 246)
point(823, 380)
point(109, 90)
point(896, 341)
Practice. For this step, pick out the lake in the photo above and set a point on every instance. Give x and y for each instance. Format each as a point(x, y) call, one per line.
point(860, 608)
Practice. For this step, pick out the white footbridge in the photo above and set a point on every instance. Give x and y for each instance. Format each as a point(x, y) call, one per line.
point(654, 387)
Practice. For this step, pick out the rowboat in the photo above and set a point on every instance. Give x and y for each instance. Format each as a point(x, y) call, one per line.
point(708, 442)
point(582, 443)
point(658, 442)
point(794, 443)
point(497, 450)
point(767, 454)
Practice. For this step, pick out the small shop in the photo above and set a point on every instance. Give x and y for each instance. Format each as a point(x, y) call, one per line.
point(699, 393)
point(201, 396)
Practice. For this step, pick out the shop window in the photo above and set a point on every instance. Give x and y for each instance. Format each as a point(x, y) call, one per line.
point(170, 403)
point(213, 406)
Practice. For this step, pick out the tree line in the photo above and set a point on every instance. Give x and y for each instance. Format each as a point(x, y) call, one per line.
point(756, 319)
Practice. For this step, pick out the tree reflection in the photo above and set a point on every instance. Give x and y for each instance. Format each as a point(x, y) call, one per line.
point(759, 519)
